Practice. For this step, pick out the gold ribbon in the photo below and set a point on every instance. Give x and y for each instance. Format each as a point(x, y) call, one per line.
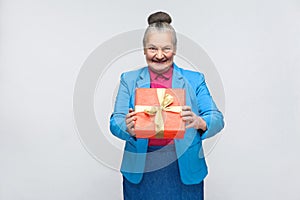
point(165, 100)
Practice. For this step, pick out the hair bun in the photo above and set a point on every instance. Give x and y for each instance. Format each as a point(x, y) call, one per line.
point(159, 17)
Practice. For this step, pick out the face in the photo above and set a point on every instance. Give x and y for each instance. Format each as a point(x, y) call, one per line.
point(159, 51)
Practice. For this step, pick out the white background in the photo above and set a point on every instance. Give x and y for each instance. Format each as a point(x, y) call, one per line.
point(254, 44)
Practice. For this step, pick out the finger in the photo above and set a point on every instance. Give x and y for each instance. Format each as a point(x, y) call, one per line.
point(186, 108)
point(130, 125)
point(129, 120)
point(130, 110)
point(187, 119)
point(132, 129)
point(129, 115)
point(131, 132)
point(186, 113)
point(191, 125)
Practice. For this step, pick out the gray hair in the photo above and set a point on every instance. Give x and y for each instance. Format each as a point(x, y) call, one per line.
point(160, 27)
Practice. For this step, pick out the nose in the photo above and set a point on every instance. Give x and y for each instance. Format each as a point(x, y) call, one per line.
point(159, 54)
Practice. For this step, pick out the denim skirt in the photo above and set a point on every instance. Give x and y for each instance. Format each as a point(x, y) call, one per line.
point(161, 179)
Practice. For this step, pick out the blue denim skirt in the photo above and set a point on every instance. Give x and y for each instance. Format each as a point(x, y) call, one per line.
point(161, 179)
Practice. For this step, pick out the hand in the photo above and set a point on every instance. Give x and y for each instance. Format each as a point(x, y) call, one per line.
point(192, 120)
point(130, 120)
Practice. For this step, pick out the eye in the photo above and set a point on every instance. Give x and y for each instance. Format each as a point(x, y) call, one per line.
point(152, 48)
point(167, 49)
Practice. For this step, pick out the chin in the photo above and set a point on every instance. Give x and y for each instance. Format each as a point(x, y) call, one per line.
point(159, 68)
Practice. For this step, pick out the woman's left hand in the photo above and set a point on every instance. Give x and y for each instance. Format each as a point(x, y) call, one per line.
point(192, 120)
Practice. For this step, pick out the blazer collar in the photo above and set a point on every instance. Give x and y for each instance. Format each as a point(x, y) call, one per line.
point(144, 78)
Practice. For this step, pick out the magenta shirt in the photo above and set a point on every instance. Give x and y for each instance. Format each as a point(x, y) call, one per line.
point(161, 81)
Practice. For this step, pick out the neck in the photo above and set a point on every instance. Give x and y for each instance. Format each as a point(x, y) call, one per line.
point(161, 72)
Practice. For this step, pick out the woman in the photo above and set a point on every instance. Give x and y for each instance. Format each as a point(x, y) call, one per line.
point(164, 168)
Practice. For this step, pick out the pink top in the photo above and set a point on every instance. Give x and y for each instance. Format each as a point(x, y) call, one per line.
point(161, 81)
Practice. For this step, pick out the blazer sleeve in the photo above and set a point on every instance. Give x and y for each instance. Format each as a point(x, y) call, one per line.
point(208, 110)
point(117, 119)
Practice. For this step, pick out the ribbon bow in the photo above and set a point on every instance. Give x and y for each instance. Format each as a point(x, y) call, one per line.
point(165, 100)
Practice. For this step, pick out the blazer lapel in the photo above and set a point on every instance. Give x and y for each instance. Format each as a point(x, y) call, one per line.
point(178, 81)
point(144, 79)
point(177, 78)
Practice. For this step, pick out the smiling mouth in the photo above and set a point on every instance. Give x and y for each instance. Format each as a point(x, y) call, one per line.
point(160, 61)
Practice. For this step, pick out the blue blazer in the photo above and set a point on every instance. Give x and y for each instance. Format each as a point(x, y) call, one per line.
point(191, 161)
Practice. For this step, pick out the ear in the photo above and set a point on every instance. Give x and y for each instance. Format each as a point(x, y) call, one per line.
point(144, 51)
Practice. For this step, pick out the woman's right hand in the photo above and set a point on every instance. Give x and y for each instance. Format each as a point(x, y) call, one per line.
point(130, 120)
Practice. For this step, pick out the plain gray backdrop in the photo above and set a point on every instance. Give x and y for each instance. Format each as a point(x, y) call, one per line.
point(254, 44)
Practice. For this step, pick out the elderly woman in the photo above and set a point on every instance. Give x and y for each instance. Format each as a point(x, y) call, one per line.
point(164, 168)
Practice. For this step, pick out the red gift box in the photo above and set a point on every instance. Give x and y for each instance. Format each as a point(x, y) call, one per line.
point(158, 113)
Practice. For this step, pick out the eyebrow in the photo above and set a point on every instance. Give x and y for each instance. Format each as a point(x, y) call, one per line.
point(152, 45)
